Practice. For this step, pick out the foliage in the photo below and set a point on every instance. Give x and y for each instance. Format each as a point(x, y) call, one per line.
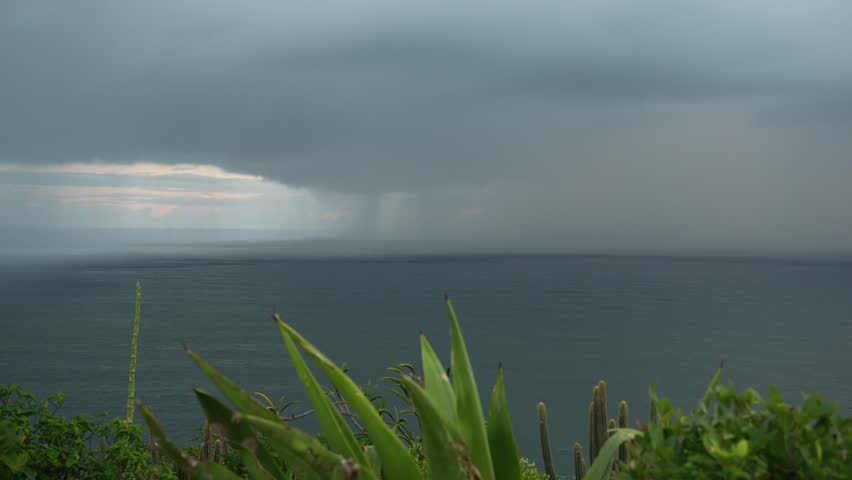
point(362, 440)
point(38, 443)
point(365, 435)
point(530, 472)
point(742, 435)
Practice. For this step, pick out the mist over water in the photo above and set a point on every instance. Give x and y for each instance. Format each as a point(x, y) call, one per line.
point(558, 324)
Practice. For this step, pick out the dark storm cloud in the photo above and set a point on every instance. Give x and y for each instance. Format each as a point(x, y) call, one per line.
point(406, 96)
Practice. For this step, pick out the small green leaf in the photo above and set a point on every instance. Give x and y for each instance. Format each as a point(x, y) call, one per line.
point(775, 398)
point(741, 449)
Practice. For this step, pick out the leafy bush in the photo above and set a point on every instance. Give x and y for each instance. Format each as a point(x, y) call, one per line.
point(733, 436)
point(35, 442)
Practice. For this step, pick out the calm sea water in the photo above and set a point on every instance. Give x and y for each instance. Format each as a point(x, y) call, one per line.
point(558, 324)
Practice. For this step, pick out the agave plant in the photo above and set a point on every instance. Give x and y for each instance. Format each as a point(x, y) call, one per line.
point(458, 442)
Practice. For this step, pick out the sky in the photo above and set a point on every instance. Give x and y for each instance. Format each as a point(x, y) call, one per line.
point(503, 124)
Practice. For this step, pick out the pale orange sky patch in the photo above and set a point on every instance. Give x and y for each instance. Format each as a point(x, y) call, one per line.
point(78, 193)
point(142, 169)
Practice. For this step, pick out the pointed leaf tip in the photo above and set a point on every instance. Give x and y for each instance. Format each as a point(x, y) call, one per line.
point(421, 333)
point(500, 365)
point(446, 297)
point(186, 349)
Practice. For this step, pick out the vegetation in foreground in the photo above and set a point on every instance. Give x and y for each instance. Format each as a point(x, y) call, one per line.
point(730, 435)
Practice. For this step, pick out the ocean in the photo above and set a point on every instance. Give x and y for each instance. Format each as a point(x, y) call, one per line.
point(557, 323)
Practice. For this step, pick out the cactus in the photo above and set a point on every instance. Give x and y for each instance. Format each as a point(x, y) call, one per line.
point(213, 445)
point(622, 423)
point(217, 451)
point(205, 451)
point(579, 462)
point(597, 420)
point(600, 428)
point(593, 438)
point(154, 447)
point(131, 381)
point(545, 441)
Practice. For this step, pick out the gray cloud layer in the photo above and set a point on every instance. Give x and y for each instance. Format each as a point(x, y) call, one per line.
point(404, 96)
point(578, 124)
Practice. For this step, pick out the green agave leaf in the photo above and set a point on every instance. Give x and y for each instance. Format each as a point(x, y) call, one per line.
point(305, 455)
point(501, 439)
point(601, 468)
point(437, 383)
point(241, 400)
point(257, 459)
point(397, 463)
point(444, 450)
point(334, 426)
point(468, 404)
point(193, 466)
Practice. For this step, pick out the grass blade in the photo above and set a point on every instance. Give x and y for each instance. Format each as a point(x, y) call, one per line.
point(444, 450)
point(437, 383)
point(259, 462)
point(333, 425)
point(601, 468)
point(468, 405)
point(193, 466)
point(501, 439)
point(397, 463)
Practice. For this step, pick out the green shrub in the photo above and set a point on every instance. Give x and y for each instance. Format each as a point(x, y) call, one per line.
point(733, 436)
point(37, 443)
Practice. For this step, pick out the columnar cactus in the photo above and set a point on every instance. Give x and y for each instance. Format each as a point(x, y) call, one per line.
point(205, 451)
point(545, 441)
point(597, 420)
point(622, 423)
point(579, 462)
point(600, 428)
